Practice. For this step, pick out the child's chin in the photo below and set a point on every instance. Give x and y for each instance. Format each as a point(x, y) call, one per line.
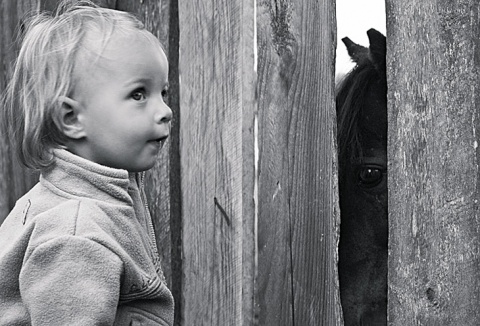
point(142, 167)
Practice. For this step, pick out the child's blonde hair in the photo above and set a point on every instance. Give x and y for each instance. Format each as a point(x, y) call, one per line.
point(44, 73)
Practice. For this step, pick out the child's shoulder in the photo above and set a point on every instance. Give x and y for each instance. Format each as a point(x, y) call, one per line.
point(48, 217)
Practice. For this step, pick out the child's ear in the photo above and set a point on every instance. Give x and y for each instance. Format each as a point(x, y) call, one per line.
point(66, 118)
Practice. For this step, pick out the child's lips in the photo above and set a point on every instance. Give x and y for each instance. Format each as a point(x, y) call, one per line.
point(159, 140)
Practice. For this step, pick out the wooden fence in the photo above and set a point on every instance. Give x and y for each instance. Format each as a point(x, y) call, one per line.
point(433, 79)
point(245, 194)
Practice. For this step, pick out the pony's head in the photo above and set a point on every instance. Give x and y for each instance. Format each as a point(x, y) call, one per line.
point(361, 101)
point(366, 82)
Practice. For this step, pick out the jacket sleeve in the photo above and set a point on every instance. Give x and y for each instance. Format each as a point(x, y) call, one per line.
point(71, 280)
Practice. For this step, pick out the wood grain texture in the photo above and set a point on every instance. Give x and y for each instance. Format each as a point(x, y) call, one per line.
point(156, 17)
point(298, 218)
point(216, 106)
point(249, 218)
point(14, 179)
point(433, 100)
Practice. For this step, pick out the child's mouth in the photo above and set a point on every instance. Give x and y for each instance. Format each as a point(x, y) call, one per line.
point(159, 141)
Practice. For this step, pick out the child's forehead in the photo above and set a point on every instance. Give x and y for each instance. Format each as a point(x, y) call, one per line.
point(121, 55)
point(109, 52)
point(101, 44)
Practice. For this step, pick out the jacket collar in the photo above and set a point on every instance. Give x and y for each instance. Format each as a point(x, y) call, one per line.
point(74, 176)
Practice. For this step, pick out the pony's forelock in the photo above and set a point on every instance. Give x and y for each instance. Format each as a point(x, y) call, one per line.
point(350, 98)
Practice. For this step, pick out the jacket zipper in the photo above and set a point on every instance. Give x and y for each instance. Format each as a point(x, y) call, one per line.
point(151, 229)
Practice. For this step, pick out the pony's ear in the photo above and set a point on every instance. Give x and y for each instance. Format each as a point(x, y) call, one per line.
point(355, 51)
point(378, 49)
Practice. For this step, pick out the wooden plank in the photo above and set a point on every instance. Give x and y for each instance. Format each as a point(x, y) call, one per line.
point(298, 201)
point(163, 186)
point(433, 103)
point(14, 179)
point(249, 195)
point(155, 15)
point(216, 96)
point(175, 166)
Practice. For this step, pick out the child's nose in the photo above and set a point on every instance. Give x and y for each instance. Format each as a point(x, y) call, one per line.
point(164, 114)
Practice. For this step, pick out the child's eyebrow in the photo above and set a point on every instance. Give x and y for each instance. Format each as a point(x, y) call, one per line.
point(144, 80)
point(141, 80)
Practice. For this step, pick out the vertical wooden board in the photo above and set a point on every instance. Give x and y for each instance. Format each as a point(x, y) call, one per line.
point(155, 14)
point(298, 201)
point(216, 88)
point(15, 180)
point(174, 161)
point(433, 98)
point(156, 17)
point(249, 105)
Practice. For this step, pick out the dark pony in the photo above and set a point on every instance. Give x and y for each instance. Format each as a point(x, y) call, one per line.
point(361, 102)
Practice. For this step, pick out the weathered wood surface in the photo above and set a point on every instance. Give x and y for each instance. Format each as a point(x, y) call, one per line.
point(14, 179)
point(298, 216)
point(217, 81)
point(433, 60)
point(156, 17)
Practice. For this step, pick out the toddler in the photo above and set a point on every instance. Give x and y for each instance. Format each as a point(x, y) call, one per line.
point(86, 107)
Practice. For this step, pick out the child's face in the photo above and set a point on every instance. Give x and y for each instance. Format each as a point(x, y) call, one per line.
point(121, 96)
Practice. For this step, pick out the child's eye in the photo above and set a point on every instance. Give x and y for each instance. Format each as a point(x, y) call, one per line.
point(138, 95)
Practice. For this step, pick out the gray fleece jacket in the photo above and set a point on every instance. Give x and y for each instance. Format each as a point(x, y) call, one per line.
point(79, 249)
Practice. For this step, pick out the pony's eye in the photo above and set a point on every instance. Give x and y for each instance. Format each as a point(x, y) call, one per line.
point(369, 176)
